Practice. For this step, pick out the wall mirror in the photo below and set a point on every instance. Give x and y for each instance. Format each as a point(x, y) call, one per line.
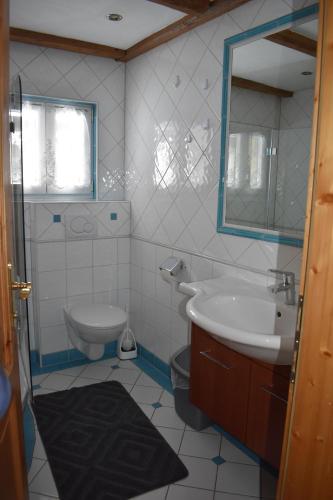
point(267, 107)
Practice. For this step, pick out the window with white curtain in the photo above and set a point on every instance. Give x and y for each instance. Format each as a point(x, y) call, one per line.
point(247, 155)
point(58, 147)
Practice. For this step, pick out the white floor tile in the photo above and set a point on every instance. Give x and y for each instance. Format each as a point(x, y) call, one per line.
point(198, 444)
point(99, 372)
point(124, 375)
point(231, 453)
point(159, 494)
point(44, 483)
point(82, 381)
point(147, 395)
point(177, 492)
point(207, 430)
point(35, 467)
point(202, 473)
point(167, 417)
point(74, 371)
point(57, 382)
point(238, 478)
point(229, 496)
point(167, 399)
point(172, 436)
point(39, 451)
point(37, 379)
point(107, 362)
point(128, 387)
point(37, 496)
point(38, 392)
point(148, 410)
point(126, 364)
point(146, 381)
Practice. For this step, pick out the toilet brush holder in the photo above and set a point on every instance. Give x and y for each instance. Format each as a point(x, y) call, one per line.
point(127, 347)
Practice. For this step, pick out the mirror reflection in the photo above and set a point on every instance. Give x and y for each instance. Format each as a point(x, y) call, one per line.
point(269, 131)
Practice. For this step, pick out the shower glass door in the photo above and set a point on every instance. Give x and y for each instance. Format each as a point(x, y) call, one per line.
point(19, 273)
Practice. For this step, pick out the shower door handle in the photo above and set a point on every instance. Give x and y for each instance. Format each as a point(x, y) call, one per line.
point(24, 288)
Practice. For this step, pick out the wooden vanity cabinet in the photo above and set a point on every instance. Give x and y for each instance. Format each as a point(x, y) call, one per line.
point(267, 413)
point(246, 397)
point(220, 381)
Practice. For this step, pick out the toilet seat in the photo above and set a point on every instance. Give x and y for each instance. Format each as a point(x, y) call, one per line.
point(98, 316)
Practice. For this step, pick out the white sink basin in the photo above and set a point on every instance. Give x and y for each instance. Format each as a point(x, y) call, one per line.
point(245, 317)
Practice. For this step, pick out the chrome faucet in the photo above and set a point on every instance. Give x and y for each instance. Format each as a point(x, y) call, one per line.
point(287, 285)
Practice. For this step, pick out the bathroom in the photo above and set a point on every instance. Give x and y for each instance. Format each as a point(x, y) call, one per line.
point(161, 223)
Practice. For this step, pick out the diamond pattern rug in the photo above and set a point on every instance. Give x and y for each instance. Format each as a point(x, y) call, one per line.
point(101, 446)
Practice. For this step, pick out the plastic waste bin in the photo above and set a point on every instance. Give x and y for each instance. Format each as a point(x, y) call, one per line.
point(180, 376)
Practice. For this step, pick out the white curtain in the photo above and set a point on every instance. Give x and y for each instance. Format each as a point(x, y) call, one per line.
point(57, 149)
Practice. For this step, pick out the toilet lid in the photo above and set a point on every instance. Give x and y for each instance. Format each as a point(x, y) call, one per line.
point(98, 315)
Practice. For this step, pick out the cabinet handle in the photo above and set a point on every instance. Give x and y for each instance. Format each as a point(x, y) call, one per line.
point(206, 355)
point(267, 388)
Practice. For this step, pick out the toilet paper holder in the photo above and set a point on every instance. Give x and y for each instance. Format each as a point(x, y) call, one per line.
point(172, 265)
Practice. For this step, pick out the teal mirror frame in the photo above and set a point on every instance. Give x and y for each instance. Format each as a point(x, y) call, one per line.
point(228, 45)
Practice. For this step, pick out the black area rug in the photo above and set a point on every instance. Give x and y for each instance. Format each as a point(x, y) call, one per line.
point(101, 446)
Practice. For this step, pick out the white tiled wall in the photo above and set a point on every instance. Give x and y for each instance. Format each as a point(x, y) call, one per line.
point(172, 151)
point(172, 128)
point(68, 272)
point(57, 73)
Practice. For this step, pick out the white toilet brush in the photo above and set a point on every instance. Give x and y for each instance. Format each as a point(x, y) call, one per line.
point(127, 348)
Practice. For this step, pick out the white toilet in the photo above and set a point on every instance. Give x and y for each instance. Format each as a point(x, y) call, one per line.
point(91, 326)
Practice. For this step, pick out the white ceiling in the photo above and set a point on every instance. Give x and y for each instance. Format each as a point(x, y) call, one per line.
point(267, 62)
point(309, 29)
point(86, 19)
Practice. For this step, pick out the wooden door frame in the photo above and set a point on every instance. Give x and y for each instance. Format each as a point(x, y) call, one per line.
point(13, 484)
point(307, 460)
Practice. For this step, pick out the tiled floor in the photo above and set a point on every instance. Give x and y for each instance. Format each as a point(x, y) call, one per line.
point(217, 469)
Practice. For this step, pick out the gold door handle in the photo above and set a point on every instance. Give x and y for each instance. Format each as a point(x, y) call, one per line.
point(23, 287)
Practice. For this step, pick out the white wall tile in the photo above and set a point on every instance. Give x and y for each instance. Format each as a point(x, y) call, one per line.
point(78, 254)
point(51, 312)
point(52, 284)
point(54, 339)
point(104, 252)
point(123, 276)
point(79, 281)
point(123, 255)
point(105, 278)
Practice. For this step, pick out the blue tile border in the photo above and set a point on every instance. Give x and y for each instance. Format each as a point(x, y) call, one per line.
point(29, 434)
point(65, 359)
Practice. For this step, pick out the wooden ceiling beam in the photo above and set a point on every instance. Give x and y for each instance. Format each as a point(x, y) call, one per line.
point(187, 6)
point(244, 83)
point(295, 41)
point(62, 43)
point(187, 23)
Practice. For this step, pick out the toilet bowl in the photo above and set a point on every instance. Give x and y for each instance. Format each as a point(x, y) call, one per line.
point(91, 326)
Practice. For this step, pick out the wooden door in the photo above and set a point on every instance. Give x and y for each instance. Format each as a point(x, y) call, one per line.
point(307, 463)
point(13, 482)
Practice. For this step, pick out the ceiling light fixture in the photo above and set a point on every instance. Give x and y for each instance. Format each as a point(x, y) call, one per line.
point(114, 17)
point(306, 73)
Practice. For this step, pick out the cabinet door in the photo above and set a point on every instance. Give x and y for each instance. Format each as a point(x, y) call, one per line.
point(267, 413)
point(219, 382)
